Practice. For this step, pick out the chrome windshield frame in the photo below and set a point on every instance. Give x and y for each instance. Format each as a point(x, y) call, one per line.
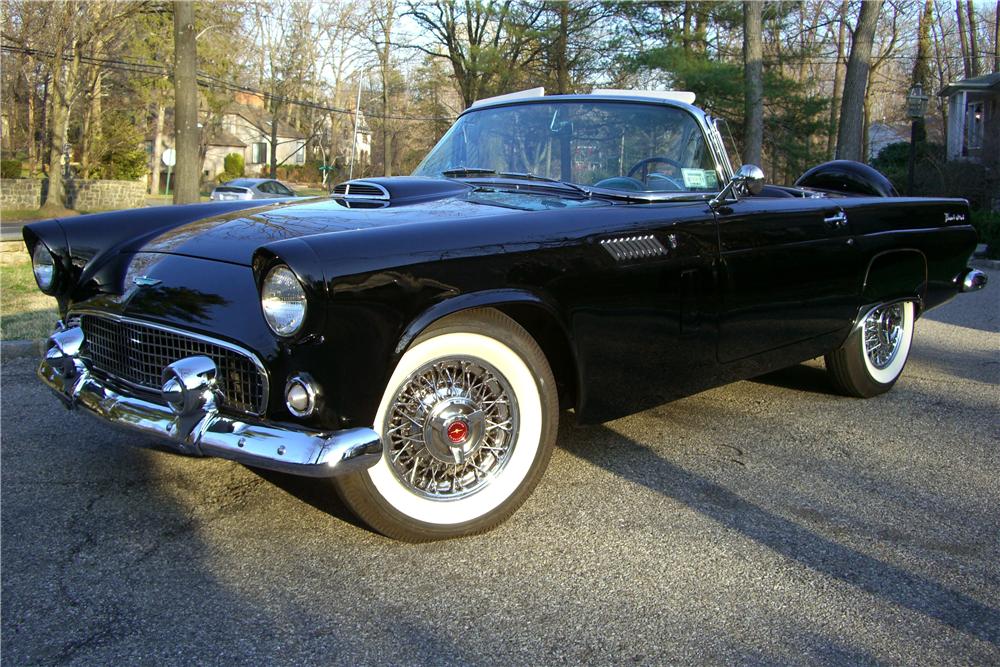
point(709, 129)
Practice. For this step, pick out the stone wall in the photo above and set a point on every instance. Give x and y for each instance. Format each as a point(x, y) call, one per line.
point(20, 193)
point(94, 195)
point(81, 195)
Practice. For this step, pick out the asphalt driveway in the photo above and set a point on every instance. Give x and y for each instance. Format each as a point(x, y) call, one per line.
point(767, 521)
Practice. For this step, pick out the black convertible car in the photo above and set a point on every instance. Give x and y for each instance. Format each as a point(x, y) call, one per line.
point(416, 338)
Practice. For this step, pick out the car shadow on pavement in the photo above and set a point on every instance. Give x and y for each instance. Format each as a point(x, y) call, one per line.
point(820, 554)
point(800, 377)
point(316, 492)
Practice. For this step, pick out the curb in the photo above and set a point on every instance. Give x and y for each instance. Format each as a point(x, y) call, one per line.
point(21, 349)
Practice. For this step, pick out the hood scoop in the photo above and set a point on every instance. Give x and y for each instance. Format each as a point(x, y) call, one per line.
point(361, 190)
point(399, 189)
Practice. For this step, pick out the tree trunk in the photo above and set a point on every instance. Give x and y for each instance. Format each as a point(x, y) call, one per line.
point(838, 81)
point(964, 38)
point(753, 124)
point(386, 132)
point(922, 65)
point(32, 132)
point(973, 39)
point(91, 124)
point(850, 136)
point(996, 39)
point(154, 180)
point(63, 92)
point(273, 157)
point(562, 61)
point(186, 133)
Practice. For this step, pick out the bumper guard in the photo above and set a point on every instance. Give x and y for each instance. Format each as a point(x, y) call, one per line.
point(191, 423)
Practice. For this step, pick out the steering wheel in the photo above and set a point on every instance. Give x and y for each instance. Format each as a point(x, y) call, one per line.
point(644, 166)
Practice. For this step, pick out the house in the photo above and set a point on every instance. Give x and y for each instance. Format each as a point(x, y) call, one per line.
point(242, 127)
point(246, 120)
point(974, 119)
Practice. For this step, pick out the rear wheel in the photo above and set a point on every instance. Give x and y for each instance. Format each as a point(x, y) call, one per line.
point(468, 422)
point(873, 357)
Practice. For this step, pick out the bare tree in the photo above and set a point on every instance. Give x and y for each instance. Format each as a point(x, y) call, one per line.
point(838, 79)
point(753, 124)
point(973, 39)
point(186, 132)
point(850, 136)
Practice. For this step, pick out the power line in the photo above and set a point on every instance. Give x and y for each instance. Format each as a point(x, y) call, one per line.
point(210, 81)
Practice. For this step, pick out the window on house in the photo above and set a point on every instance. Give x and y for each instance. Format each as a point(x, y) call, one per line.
point(299, 157)
point(259, 153)
point(974, 121)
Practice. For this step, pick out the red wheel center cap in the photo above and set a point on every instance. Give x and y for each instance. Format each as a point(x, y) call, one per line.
point(458, 431)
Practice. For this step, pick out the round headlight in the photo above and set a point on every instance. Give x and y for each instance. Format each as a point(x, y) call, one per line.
point(44, 266)
point(283, 301)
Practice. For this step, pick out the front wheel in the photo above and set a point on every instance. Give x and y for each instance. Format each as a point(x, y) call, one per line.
point(468, 422)
point(872, 359)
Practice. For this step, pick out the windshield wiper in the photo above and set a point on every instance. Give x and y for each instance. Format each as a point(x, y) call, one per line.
point(543, 179)
point(467, 171)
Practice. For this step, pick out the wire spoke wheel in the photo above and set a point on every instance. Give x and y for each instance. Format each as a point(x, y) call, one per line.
point(451, 428)
point(468, 420)
point(873, 356)
point(883, 334)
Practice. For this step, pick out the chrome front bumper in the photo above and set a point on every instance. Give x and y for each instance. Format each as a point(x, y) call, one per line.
point(191, 423)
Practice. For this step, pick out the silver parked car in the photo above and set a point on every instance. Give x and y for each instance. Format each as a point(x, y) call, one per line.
point(251, 188)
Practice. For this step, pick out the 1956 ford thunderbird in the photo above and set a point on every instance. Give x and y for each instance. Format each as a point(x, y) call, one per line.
point(415, 338)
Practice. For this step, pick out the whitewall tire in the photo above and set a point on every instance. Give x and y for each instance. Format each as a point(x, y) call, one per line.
point(873, 357)
point(468, 422)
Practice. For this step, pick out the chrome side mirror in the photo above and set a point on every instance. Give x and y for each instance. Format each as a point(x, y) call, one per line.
point(751, 177)
point(748, 180)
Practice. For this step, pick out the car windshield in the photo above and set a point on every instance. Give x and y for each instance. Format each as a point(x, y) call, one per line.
point(631, 147)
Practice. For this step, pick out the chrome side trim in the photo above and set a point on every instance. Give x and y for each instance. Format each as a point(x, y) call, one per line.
point(636, 246)
point(206, 432)
point(232, 347)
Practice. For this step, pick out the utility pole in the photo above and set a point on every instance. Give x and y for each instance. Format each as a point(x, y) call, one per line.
point(354, 143)
point(186, 132)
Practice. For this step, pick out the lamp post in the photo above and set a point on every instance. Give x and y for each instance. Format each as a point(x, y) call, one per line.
point(916, 107)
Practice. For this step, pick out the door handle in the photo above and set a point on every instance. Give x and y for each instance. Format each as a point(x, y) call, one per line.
point(838, 219)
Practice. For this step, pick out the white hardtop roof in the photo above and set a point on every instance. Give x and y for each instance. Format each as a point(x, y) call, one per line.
point(672, 95)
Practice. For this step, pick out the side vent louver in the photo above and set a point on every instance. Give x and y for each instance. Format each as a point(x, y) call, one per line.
point(639, 246)
point(360, 190)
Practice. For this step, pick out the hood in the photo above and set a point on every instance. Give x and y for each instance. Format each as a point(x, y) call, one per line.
point(234, 237)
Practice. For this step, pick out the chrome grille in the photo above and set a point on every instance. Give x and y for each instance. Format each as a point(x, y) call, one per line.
point(136, 353)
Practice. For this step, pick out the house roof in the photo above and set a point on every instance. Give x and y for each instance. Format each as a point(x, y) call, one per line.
point(262, 120)
point(219, 137)
point(986, 82)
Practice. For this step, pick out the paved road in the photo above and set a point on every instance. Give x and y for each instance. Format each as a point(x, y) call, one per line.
point(768, 521)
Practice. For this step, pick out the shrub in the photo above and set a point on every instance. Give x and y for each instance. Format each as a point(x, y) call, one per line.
point(10, 169)
point(987, 224)
point(118, 151)
point(234, 166)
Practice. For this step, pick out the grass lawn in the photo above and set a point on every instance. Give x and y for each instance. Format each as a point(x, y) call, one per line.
point(25, 313)
point(19, 214)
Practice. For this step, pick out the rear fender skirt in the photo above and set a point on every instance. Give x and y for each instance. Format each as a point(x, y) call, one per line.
point(895, 275)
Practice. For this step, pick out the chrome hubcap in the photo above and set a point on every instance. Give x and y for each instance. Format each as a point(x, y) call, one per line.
point(451, 428)
point(883, 334)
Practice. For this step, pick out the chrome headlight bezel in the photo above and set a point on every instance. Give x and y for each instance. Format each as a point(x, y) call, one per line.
point(283, 301)
point(45, 267)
